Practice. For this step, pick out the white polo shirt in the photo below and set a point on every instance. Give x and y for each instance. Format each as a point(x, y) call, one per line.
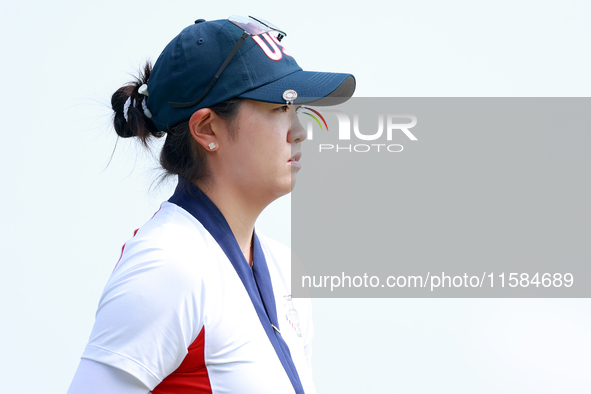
point(176, 315)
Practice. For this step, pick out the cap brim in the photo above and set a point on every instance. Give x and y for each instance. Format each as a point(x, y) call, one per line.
point(318, 88)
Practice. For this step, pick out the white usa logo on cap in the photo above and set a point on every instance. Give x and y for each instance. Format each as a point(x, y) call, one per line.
point(276, 53)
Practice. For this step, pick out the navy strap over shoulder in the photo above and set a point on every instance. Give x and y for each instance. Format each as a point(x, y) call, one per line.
point(256, 281)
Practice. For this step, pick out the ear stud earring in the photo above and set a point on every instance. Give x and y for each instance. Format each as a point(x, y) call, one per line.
point(211, 145)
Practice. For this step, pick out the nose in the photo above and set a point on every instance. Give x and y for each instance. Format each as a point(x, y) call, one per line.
point(296, 133)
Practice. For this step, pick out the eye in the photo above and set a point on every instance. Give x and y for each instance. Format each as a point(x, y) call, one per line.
point(283, 108)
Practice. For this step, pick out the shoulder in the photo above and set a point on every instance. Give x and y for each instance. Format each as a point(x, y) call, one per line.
point(162, 258)
point(170, 226)
point(153, 296)
point(171, 242)
point(163, 269)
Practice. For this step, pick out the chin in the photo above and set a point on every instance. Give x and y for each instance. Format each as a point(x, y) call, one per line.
point(293, 178)
point(282, 188)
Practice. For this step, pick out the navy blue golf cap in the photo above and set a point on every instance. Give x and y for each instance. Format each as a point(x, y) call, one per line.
point(260, 70)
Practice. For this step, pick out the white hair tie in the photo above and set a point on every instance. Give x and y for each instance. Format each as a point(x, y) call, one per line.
point(145, 107)
point(126, 108)
point(143, 90)
point(129, 102)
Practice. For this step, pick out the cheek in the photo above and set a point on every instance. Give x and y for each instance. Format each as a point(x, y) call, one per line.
point(271, 143)
point(262, 147)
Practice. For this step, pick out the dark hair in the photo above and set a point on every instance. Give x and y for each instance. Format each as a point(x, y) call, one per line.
point(181, 154)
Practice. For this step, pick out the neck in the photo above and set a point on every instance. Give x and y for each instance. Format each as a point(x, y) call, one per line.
point(239, 211)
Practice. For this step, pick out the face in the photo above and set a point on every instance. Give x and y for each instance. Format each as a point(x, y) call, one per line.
point(263, 159)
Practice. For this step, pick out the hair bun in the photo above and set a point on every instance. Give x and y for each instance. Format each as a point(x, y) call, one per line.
point(131, 114)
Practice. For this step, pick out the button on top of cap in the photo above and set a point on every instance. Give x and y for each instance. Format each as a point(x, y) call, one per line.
point(200, 21)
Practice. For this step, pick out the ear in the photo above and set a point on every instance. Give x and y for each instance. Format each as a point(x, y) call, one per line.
point(203, 125)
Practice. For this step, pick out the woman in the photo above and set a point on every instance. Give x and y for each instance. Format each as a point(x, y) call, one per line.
point(200, 302)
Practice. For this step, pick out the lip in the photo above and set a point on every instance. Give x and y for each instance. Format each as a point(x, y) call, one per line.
point(295, 160)
point(296, 157)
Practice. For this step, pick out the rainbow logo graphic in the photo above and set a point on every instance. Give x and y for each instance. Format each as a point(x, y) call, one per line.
point(315, 118)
